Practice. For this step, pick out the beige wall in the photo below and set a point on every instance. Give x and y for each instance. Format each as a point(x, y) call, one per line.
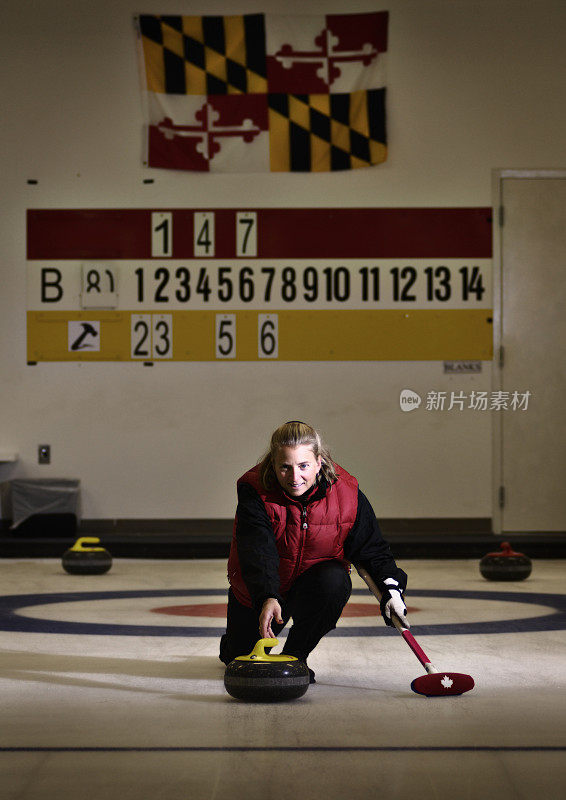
point(473, 85)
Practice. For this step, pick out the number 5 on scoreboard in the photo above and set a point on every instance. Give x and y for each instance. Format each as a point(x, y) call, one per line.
point(225, 336)
point(267, 336)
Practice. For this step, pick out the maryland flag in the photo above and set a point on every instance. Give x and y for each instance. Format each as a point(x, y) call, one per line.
point(260, 92)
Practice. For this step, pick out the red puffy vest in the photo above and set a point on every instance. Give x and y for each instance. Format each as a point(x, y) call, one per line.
point(328, 522)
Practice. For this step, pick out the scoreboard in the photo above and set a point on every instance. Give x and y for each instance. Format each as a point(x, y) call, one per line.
point(279, 284)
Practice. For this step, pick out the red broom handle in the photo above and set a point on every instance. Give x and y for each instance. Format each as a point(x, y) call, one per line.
point(418, 651)
point(401, 625)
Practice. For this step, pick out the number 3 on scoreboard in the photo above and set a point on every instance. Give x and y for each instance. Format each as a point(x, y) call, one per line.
point(225, 336)
point(152, 336)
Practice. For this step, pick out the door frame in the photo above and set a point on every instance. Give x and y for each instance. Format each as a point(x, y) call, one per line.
point(498, 176)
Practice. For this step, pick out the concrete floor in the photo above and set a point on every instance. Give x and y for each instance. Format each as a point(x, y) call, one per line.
point(106, 693)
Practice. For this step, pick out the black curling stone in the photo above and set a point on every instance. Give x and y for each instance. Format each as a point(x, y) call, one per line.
point(82, 559)
point(262, 678)
point(506, 565)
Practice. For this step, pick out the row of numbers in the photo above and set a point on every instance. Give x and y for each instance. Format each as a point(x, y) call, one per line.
point(229, 286)
point(204, 234)
point(288, 284)
point(152, 336)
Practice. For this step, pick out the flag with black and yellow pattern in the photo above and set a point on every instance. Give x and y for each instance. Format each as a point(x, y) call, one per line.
point(259, 92)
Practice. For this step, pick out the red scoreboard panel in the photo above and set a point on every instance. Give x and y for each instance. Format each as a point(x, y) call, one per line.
point(259, 284)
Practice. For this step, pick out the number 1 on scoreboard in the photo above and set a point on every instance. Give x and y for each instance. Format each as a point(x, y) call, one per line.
point(161, 234)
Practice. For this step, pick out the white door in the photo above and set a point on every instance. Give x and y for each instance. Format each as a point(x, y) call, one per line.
point(530, 327)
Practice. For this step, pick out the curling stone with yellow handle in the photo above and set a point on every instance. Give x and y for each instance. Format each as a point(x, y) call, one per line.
point(85, 557)
point(263, 678)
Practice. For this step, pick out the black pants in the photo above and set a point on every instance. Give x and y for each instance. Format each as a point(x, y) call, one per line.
point(315, 602)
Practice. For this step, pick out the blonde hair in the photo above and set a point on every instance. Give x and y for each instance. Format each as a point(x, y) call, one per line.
point(295, 434)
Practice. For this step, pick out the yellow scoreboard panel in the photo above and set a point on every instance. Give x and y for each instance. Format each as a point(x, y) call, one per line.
point(266, 284)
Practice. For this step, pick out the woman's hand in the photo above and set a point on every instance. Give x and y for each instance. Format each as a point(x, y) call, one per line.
point(271, 610)
point(392, 602)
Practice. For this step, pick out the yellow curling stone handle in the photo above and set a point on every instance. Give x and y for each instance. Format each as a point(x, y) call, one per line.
point(259, 654)
point(79, 545)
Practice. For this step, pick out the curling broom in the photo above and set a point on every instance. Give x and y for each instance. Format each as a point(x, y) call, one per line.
point(434, 683)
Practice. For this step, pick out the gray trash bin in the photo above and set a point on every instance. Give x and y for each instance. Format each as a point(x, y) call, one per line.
point(45, 506)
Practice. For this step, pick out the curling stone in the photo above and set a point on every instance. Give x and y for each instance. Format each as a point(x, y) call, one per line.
point(506, 565)
point(83, 559)
point(263, 678)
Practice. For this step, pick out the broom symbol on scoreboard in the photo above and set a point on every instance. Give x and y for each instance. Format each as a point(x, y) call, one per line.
point(88, 330)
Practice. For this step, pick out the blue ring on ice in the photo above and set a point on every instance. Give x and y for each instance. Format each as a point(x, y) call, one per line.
point(10, 620)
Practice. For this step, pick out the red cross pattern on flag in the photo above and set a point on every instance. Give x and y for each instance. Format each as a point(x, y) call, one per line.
point(259, 92)
point(319, 54)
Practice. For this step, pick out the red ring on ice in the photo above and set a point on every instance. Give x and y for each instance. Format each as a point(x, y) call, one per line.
point(218, 610)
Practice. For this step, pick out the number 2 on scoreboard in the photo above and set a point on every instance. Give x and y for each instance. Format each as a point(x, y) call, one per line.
point(151, 336)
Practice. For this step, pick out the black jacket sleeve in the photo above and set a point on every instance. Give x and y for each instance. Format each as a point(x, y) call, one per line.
point(257, 551)
point(366, 547)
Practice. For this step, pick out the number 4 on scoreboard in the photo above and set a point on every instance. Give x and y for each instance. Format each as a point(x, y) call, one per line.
point(203, 234)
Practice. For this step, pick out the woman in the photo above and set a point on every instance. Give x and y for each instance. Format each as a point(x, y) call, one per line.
point(301, 519)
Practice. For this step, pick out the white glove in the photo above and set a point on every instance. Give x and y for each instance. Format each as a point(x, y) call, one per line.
point(392, 601)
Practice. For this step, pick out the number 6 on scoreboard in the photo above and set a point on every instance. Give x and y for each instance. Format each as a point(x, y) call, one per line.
point(267, 336)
